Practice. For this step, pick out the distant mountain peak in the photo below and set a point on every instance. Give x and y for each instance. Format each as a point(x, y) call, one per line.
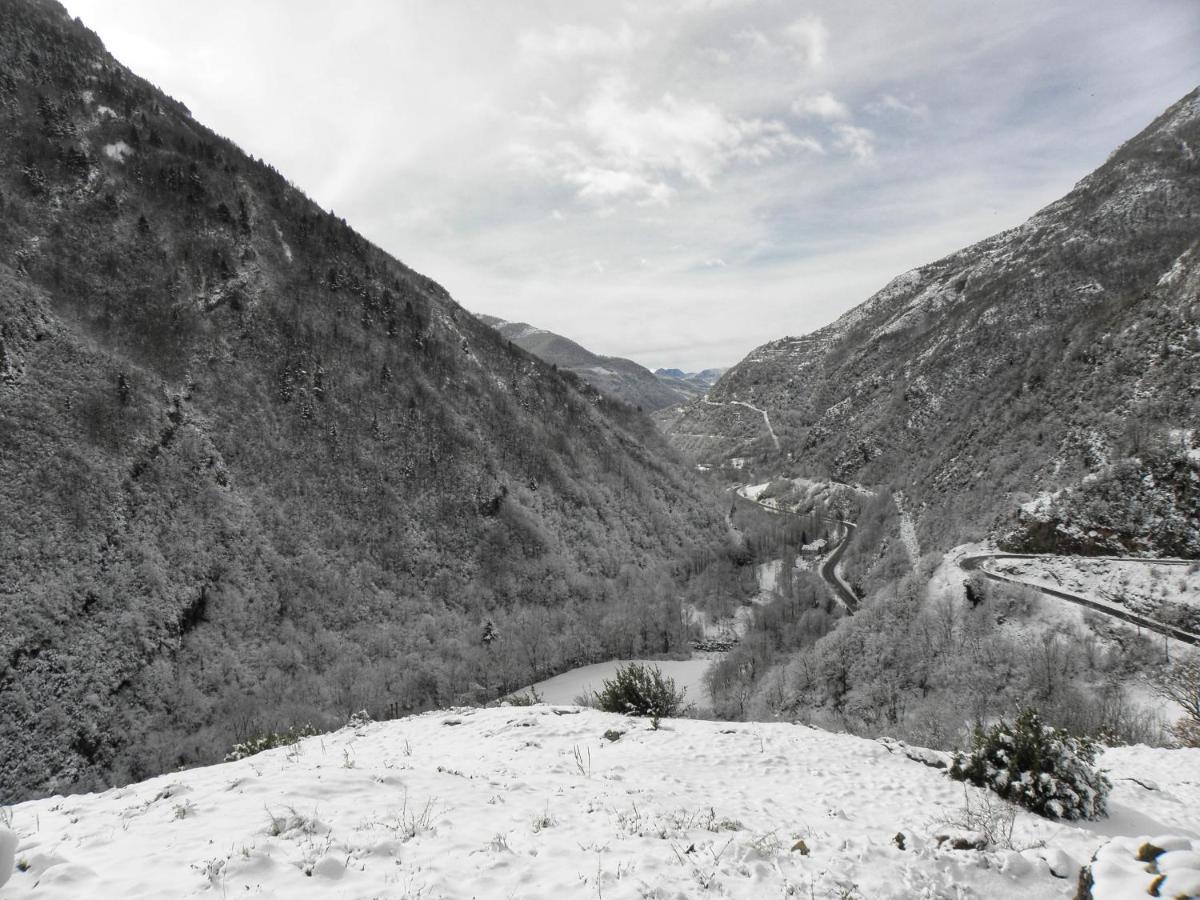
point(622, 379)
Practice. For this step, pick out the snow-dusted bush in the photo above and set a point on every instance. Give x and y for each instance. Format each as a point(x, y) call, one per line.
point(255, 745)
point(1041, 768)
point(638, 690)
point(530, 697)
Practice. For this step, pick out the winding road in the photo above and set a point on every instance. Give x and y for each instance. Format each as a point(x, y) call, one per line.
point(761, 412)
point(828, 571)
point(976, 564)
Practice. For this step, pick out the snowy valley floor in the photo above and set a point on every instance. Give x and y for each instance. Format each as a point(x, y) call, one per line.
point(536, 802)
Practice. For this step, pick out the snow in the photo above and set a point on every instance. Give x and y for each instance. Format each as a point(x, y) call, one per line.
point(803, 494)
point(688, 675)
point(521, 330)
point(1137, 585)
point(767, 574)
point(118, 151)
point(287, 250)
point(1118, 873)
point(753, 491)
point(733, 628)
point(8, 852)
point(908, 528)
point(1040, 505)
point(536, 801)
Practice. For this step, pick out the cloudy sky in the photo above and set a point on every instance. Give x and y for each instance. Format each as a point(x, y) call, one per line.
point(676, 182)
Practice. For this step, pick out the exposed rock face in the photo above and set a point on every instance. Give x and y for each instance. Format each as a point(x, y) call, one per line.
point(1016, 367)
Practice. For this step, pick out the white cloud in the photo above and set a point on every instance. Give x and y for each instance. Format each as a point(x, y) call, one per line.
point(857, 141)
point(565, 43)
point(597, 183)
point(504, 151)
point(810, 38)
point(755, 41)
point(616, 148)
point(889, 102)
point(823, 106)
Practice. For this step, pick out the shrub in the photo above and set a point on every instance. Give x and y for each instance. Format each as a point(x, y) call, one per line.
point(1041, 768)
point(254, 745)
point(528, 698)
point(638, 690)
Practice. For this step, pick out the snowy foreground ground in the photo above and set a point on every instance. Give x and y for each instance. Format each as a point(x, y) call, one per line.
point(537, 802)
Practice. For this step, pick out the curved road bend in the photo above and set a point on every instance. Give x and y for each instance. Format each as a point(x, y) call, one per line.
point(975, 564)
point(828, 572)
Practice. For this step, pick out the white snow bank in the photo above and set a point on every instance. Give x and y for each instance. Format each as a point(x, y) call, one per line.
point(536, 802)
point(1134, 867)
point(688, 674)
point(8, 854)
point(753, 491)
point(768, 574)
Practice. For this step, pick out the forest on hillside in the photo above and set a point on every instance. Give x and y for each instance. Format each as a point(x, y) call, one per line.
point(255, 473)
point(1058, 359)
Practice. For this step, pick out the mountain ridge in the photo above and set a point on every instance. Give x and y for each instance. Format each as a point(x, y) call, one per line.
point(255, 472)
point(965, 367)
point(620, 378)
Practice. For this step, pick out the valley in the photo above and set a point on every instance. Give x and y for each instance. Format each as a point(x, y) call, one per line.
point(1128, 591)
point(313, 582)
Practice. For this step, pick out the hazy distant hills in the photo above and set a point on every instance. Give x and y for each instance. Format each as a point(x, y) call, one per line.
point(620, 378)
point(1059, 360)
point(703, 379)
point(255, 472)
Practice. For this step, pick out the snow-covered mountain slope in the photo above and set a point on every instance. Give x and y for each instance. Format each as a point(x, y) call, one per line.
point(1062, 348)
point(242, 449)
point(620, 378)
point(537, 802)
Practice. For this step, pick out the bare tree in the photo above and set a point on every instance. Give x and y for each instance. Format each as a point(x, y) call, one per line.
point(1181, 683)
